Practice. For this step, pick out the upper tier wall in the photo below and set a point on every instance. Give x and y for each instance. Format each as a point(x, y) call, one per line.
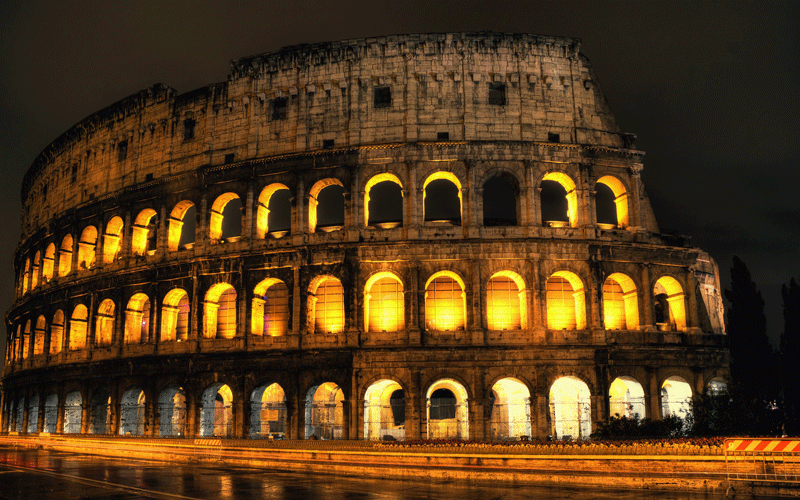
point(438, 83)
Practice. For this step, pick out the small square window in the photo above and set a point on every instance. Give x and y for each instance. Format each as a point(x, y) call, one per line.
point(148, 177)
point(443, 136)
point(383, 97)
point(74, 174)
point(551, 137)
point(188, 129)
point(229, 158)
point(279, 108)
point(497, 94)
point(327, 143)
point(122, 150)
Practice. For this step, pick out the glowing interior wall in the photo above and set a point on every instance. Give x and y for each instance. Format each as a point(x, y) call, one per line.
point(65, 256)
point(216, 217)
point(383, 415)
point(620, 199)
point(270, 308)
point(445, 302)
point(669, 287)
point(326, 305)
point(78, 328)
point(506, 302)
point(263, 210)
point(137, 319)
point(570, 409)
point(112, 240)
point(384, 303)
point(676, 397)
point(220, 312)
point(324, 416)
point(626, 398)
point(566, 307)
point(104, 323)
point(86, 248)
point(510, 411)
point(57, 332)
point(175, 224)
point(572, 195)
point(443, 422)
point(313, 200)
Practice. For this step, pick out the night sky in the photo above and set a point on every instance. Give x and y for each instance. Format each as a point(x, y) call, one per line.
point(711, 89)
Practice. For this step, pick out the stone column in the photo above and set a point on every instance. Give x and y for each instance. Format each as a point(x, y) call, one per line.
point(693, 318)
point(248, 221)
point(415, 304)
point(646, 300)
point(299, 226)
point(636, 185)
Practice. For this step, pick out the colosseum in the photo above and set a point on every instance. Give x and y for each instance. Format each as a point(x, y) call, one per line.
point(403, 237)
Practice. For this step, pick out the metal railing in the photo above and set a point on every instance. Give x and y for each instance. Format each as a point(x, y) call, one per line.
point(765, 460)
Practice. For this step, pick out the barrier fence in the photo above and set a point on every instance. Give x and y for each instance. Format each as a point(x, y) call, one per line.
point(767, 460)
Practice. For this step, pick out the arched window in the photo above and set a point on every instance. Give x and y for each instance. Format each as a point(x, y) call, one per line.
point(383, 201)
point(65, 256)
point(626, 398)
point(268, 412)
point(226, 217)
point(669, 304)
point(57, 332)
point(441, 198)
point(447, 410)
point(510, 410)
point(100, 412)
point(172, 412)
point(26, 340)
point(384, 411)
point(143, 238)
point(132, 407)
point(86, 248)
point(559, 200)
point(78, 328)
point(48, 264)
point(35, 270)
point(25, 276)
point(676, 397)
point(506, 303)
point(216, 415)
point(270, 309)
point(38, 336)
point(566, 307)
point(182, 223)
point(33, 413)
point(326, 305)
point(51, 413)
point(112, 240)
point(570, 409)
point(104, 329)
point(620, 303)
point(611, 202)
point(274, 213)
point(175, 316)
point(445, 302)
point(137, 319)
point(325, 411)
point(500, 201)
point(220, 312)
point(73, 413)
point(384, 303)
point(326, 206)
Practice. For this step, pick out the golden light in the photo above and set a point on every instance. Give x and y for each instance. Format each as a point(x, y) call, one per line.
point(626, 397)
point(511, 417)
point(262, 212)
point(570, 408)
point(384, 305)
point(449, 176)
point(378, 413)
point(572, 195)
point(675, 298)
point(326, 305)
point(620, 198)
point(220, 312)
point(445, 302)
point(175, 315)
point(676, 397)
point(376, 179)
point(566, 307)
point(175, 224)
point(86, 247)
point(506, 302)
point(215, 219)
point(78, 328)
point(452, 428)
point(57, 332)
point(270, 308)
point(48, 264)
point(112, 240)
point(136, 315)
point(104, 323)
point(313, 203)
point(65, 256)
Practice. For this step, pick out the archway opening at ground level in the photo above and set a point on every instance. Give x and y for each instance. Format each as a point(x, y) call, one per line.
point(268, 412)
point(216, 416)
point(132, 412)
point(384, 411)
point(325, 412)
point(447, 410)
point(172, 412)
point(33, 414)
point(626, 398)
point(73, 414)
point(570, 409)
point(100, 413)
point(676, 398)
point(20, 415)
point(51, 413)
point(510, 410)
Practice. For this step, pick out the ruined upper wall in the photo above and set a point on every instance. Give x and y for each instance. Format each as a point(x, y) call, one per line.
point(439, 83)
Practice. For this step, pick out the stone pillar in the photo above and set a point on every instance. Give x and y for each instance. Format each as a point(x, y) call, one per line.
point(646, 300)
point(693, 318)
point(162, 238)
point(201, 227)
point(299, 227)
point(239, 419)
point(248, 221)
point(25, 411)
point(40, 420)
point(636, 185)
point(539, 306)
point(86, 416)
point(412, 198)
point(296, 300)
point(654, 391)
point(414, 305)
point(540, 426)
point(60, 416)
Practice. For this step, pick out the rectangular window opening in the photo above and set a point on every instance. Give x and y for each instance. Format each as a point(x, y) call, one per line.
point(122, 150)
point(229, 158)
point(443, 136)
point(551, 137)
point(497, 94)
point(327, 143)
point(279, 105)
point(188, 129)
point(383, 97)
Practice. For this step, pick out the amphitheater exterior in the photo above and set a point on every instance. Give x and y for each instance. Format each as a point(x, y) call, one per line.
point(415, 236)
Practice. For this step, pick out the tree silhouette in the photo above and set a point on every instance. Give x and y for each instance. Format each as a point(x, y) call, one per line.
point(790, 357)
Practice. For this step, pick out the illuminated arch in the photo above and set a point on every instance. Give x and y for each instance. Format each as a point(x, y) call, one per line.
point(137, 319)
point(172, 412)
point(57, 332)
point(100, 412)
point(144, 233)
point(448, 176)
point(326, 305)
point(626, 398)
point(86, 248)
point(268, 412)
point(620, 303)
point(35, 270)
point(372, 182)
point(670, 304)
point(48, 264)
point(384, 410)
point(676, 397)
point(220, 312)
point(73, 413)
point(263, 211)
point(217, 208)
point(26, 340)
point(384, 303)
point(445, 302)
point(570, 409)
point(313, 202)
point(506, 302)
point(26, 276)
point(38, 336)
point(33, 413)
point(270, 308)
point(620, 198)
point(104, 323)
point(65, 256)
point(510, 410)
point(112, 240)
point(175, 315)
point(447, 410)
point(78, 328)
point(566, 302)
point(176, 222)
point(325, 411)
point(572, 195)
point(51, 413)
point(132, 412)
point(216, 416)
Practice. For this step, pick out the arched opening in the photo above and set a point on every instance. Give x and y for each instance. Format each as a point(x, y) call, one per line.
point(559, 200)
point(566, 306)
point(175, 316)
point(216, 417)
point(384, 411)
point(131, 422)
point(33, 414)
point(326, 305)
point(137, 319)
point(104, 323)
point(326, 206)
point(611, 202)
point(65, 256)
point(112, 240)
point(383, 201)
point(225, 221)
point(268, 412)
point(143, 237)
point(182, 225)
point(100, 413)
point(220, 312)
point(510, 410)
point(38, 336)
point(447, 410)
point(384, 303)
point(26, 276)
point(570, 409)
point(35, 270)
point(57, 332)
point(274, 212)
point(172, 412)
point(676, 398)
point(48, 264)
point(716, 387)
point(73, 413)
point(669, 304)
point(78, 328)
point(325, 412)
point(506, 302)
point(445, 302)
point(626, 398)
point(500, 201)
point(86, 248)
point(20, 414)
point(26, 340)
point(441, 198)
point(51, 413)
point(620, 303)
point(270, 309)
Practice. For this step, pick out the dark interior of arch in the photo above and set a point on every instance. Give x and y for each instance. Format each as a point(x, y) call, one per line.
point(330, 207)
point(605, 206)
point(661, 308)
point(280, 211)
point(189, 226)
point(397, 401)
point(232, 219)
point(499, 202)
point(442, 202)
point(385, 203)
point(554, 202)
point(443, 404)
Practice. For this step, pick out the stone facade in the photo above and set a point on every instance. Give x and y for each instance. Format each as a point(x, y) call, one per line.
point(121, 310)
